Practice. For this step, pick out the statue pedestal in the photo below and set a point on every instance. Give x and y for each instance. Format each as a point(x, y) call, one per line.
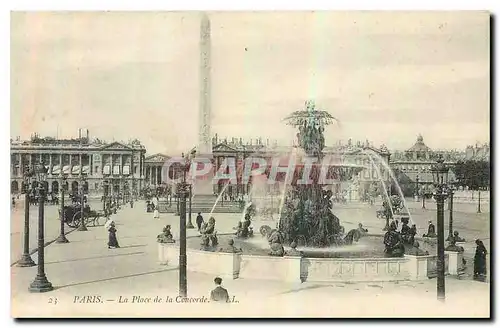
point(204, 183)
point(455, 262)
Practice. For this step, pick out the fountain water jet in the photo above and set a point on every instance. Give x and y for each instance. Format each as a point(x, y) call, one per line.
point(218, 198)
point(381, 180)
point(394, 180)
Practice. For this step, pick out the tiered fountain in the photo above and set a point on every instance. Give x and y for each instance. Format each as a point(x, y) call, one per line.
point(305, 219)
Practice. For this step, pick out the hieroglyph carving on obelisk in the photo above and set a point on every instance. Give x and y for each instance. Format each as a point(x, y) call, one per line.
point(204, 138)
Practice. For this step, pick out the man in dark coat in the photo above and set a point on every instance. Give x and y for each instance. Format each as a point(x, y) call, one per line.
point(431, 231)
point(199, 220)
point(480, 261)
point(219, 294)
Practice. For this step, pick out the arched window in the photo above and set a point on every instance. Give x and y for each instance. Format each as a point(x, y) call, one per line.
point(14, 187)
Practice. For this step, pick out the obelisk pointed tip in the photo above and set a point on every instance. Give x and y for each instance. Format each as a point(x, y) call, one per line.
point(204, 18)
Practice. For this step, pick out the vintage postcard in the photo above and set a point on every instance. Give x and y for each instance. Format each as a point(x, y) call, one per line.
point(329, 164)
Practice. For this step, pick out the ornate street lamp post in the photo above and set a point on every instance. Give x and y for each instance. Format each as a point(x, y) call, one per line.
point(450, 208)
point(41, 284)
point(186, 169)
point(82, 226)
point(26, 260)
point(177, 199)
point(423, 199)
point(479, 202)
point(190, 223)
point(125, 192)
point(182, 192)
point(440, 177)
point(105, 186)
point(416, 187)
point(62, 236)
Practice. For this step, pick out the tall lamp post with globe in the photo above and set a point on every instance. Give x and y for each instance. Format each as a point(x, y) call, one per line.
point(26, 260)
point(440, 178)
point(105, 186)
point(82, 226)
point(62, 236)
point(182, 191)
point(41, 284)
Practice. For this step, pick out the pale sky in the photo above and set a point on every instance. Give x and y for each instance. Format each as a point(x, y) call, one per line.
point(386, 76)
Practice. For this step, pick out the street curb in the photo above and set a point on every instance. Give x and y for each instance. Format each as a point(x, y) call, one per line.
point(33, 251)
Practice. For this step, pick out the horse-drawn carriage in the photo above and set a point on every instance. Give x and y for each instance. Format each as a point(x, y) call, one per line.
point(73, 216)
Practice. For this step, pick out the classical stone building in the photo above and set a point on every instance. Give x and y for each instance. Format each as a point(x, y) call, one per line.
point(82, 162)
point(155, 171)
point(414, 164)
point(478, 152)
point(364, 154)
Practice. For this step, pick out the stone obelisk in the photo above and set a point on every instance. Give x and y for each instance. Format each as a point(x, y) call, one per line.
point(203, 185)
point(204, 138)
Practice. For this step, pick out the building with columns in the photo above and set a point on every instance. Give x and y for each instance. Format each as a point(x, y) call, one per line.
point(350, 153)
point(121, 164)
point(154, 175)
point(414, 165)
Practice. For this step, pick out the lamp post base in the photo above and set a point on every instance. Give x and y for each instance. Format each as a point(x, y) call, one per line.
point(62, 239)
point(190, 225)
point(40, 285)
point(26, 261)
point(82, 228)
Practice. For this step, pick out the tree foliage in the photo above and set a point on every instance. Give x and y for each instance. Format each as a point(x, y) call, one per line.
point(474, 174)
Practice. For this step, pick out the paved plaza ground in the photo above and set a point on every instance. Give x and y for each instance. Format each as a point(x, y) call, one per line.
point(86, 267)
point(52, 226)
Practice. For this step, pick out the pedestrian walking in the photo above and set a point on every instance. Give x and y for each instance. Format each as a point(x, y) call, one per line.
point(112, 241)
point(156, 213)
point(480, 261)
point(199, 221)
point(13, 202)
point(219, 293)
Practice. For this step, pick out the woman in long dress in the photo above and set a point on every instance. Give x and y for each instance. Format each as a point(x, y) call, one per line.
point(156, 214)
point(112, 241)
point(480, 260)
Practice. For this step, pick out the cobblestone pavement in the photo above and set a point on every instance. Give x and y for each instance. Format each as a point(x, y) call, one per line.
point(86, 267)
point(52, 226)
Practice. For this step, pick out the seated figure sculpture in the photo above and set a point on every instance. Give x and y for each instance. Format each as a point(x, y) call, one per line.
point(264, 230)
point(208, 234)
point(412, 233)
point(454, 247)
point(362, 230)
point(457, 238)
point(230, 248)
point(405, 232)
point(352, 236)
point(293, 250)
point(276, 243)
point(393, 243)
point(166, 236)
point(244, 230)
point(415, 250)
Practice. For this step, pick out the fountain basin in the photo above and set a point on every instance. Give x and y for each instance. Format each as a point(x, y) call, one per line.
point(301, 269)
point(369, 246)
